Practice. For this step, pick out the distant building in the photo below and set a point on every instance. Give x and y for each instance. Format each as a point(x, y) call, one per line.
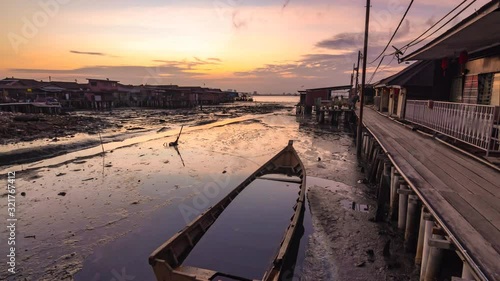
point(315, 97)
point(101, 95)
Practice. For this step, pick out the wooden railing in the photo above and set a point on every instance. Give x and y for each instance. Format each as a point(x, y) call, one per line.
point(477, 125)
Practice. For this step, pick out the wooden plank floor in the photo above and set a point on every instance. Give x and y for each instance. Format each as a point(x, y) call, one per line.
point(462, 192)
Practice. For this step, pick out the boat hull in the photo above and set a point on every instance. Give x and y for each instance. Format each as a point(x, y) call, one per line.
point(168, 258)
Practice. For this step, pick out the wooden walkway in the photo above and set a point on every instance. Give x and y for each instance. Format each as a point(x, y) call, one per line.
point(463, 194)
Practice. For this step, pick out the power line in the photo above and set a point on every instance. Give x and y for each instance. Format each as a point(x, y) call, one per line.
point(434, 32)
point(436, 23)
point(373, 74)
point(413, 43)
point(395, 31)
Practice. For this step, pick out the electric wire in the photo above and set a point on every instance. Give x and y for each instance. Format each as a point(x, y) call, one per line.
point(395, 31)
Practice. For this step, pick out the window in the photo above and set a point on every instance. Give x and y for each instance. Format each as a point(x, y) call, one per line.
point(485, 85)
point(470, 89)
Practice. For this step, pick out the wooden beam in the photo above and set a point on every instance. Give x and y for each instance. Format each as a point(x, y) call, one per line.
point(441, 244)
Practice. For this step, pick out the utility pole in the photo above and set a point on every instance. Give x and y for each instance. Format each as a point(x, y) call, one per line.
point(352, 74)
point(363, 80)
point(357, 74)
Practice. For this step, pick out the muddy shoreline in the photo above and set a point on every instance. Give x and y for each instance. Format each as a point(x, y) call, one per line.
point(99, 206)
point(28, 138)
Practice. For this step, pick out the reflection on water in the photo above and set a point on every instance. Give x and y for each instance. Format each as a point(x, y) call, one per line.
point(351, 205)
point(245, 238)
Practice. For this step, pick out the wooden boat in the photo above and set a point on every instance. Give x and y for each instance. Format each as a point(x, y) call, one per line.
point(168, 258)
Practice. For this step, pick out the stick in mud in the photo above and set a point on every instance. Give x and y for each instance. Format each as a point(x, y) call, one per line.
point(176, 142)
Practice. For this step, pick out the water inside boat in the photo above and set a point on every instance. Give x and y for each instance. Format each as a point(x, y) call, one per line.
point(245, 238)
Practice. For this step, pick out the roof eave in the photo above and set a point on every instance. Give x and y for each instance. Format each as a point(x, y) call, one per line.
point(471, 19)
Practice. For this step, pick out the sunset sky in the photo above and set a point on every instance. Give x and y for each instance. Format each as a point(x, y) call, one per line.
point(269, 46)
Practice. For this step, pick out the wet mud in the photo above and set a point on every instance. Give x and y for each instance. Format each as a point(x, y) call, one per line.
point(88, 215)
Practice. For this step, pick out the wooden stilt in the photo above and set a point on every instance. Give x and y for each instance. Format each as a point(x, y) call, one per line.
point(370, 146)
point(367, 144)
point(434, 260)
point(392, 191)
point(365, 141)
point(380, 167)
point(412, 219)
point(421, 234)
point(395, 181)
point(383, 190)
point(322, 117)
point(429, 224)
point(374, 165)
point(403, 205)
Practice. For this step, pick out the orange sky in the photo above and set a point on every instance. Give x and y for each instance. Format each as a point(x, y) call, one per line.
point(259, 45)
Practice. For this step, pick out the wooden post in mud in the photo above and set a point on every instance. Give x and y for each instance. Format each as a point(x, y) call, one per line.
point(373, 145)
point(380, 168)
point(403, 193)
point(374, 163)
point(421, 234)
point(369, 147)
point(395, 182)
point(383, 190)
point(322, 116)
point(412, 218)
point(435, 258)
point(429, 225)
point(366, 139)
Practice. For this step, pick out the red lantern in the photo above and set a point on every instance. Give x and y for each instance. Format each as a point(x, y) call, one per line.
point(463, 58)
point(444, 65)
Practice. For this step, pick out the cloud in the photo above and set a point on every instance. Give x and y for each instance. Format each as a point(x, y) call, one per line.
point(309, 66)
point(87, 53)
point(190, 64)
point(342, 40)
point(237, 21)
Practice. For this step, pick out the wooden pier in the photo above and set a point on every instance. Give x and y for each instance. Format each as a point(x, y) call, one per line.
point(442, 199)
point(31, 107)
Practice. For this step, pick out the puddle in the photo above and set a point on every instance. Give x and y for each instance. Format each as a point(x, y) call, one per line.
point(351, 205)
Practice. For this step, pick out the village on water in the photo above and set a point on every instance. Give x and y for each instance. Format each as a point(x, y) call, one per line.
point(375, 156)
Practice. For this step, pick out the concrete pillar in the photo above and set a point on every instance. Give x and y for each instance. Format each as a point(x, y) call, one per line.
point(421, 234)
point(395, 182)
point(467, 272)
point(412, 219)
point(429, 224)
point(403, 206)
point(434, 261)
